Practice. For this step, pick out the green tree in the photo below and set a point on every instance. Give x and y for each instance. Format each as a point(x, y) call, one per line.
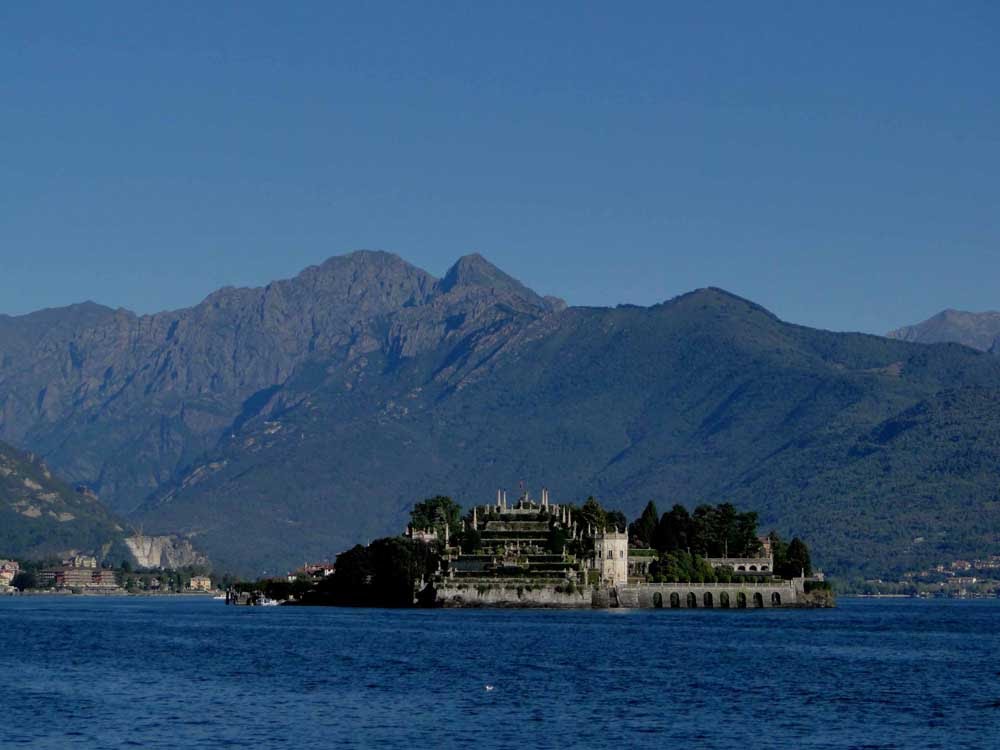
point(797, 561)
point(616, 520)
point(673, 530)
point(435, 512)
point(383, 574)
point(682, 566)
point(556, 540)
point(26, 579)
point(352, 572)
point(470, 540)
point(745, 539)
point(702, 530)
point(779, 551)
point(711, 531)
point(642, 530)
point(593, 514)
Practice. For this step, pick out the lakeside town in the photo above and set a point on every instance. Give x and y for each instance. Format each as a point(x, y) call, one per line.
point(83, 574)
point(978, 578)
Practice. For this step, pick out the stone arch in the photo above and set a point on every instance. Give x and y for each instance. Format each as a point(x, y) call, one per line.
point(692, 600)
point(765, 567)
point(775, 599)
point(707, 599)
point(758, 599)
point(724, 600)
point(675, 600)
point(742, 567)
point(741, 600)
point(753, 567)
point(657, 600)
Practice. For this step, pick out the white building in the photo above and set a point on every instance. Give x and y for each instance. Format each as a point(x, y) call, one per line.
point(611, 557)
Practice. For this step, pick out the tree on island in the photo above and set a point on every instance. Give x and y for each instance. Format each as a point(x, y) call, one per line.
point(672, 530)
point(643, 529)
point(469, 540)
point(557, 539)
point(435, 512)
point(711, 531)
point(791, 560)
point(386, 573)
point(616, 520)
point(592, 513)
point(681, 567)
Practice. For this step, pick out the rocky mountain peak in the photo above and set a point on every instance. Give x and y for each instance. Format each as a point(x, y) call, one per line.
point(976, 330)
point(475, 270)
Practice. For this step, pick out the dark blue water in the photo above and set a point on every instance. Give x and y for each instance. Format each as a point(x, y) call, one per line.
point(147, 672)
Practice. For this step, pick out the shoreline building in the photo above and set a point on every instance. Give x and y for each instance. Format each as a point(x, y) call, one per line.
point(611, 558)
point(760, 564)
point(8, 571)
point(80, 572)
point(201, 583)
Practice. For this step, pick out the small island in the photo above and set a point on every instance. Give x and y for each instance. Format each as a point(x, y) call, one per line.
point(537, 553)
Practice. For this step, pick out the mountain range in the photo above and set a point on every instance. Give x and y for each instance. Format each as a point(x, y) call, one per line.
point(977, 330)
point(284, 423)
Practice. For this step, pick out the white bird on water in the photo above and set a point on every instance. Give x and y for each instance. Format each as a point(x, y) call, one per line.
point(488, 688)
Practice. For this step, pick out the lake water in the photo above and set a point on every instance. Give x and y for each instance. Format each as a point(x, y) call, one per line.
point(169, 672)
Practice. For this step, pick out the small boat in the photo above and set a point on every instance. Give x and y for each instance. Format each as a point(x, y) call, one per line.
point(265, 602)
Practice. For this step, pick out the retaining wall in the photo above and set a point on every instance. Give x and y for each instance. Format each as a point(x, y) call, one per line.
point(699, 595)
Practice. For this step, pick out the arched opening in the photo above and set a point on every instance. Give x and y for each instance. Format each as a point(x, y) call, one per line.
point(707, 599)
point(753, 567)
point(758, 599)
point(775, 599)
point(741, 600)
point(724, 600)
point(675, 600)
point(765, 567)
point(658, 600)
point(742, 567)
point(692, 600)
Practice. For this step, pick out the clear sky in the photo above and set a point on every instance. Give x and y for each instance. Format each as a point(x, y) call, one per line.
point(837, 163)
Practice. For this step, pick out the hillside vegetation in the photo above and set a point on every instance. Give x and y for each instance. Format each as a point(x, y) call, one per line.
point(40, 516)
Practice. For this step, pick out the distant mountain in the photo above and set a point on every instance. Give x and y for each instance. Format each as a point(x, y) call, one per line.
point(41, 516)
point(977, 330)
point(278, 424)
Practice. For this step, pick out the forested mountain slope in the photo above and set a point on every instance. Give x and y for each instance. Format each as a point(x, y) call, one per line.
point(41, 516)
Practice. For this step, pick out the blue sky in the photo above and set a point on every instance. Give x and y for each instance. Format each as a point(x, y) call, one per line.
point(838, 163)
